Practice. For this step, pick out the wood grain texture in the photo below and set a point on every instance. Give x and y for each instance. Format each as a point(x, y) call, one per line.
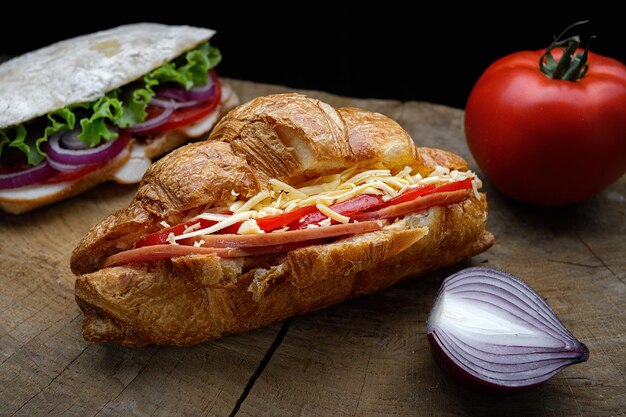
point(364, 357)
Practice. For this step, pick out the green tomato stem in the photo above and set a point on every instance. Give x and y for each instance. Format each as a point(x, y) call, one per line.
point(572, 66)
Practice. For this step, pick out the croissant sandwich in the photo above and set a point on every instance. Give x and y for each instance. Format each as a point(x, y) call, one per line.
point(100, 107)
point(288, 207)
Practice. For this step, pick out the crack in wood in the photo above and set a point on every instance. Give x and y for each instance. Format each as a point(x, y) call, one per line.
point(369, 359)
point(262, 365)
point(575, 263)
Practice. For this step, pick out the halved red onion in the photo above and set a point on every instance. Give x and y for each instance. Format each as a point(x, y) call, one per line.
point(29, 176)
point(100, 153)
point(152, 123)
point(491, 330)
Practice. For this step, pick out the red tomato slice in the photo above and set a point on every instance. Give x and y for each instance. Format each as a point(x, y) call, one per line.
point(232, 229)
point(414, 193)
point(410, 194)
point(282, 220)
point(270, 223)
point(187, 116)
point(444, 198)
point(160, 237)
point(453, 186)
point(346, 208)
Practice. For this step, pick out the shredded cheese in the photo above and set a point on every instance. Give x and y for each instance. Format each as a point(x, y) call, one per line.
point(291, 206)
point(235, 218)
point(278, 201)
point(281, 186)
point(171, 239)
point(325, 223)
point(269, 211)
point(332, 214)
point(321, 188)
point(253, 201)
point(393, 181)
point(191, 228)
point(236, 206)
point(406, 171)
point(363, 176)
point(249, 227)
point(383, 187)
point(322, 192)
point(164, 224)
point(212, 216)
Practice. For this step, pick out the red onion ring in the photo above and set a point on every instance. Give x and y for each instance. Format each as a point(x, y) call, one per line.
point(175, 93)
point(181, 99)
point(152, 123)
point(171, 104)
point(202, 93)
point(69, 139)
point(104, 152)
point(64, 167)
point(33, 175)
point(492, 331)
point(179, 93)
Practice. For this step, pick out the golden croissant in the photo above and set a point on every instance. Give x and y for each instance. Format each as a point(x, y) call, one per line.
point(288, 207)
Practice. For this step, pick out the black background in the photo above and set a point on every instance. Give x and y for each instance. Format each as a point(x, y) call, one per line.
point(386, 51)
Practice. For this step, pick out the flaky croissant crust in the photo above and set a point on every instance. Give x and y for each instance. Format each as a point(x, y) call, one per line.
point(289, 137)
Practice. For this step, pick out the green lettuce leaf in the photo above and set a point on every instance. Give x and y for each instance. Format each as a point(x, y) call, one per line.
point(94, 128)
point(14, 137)
point(17, 137)
point(123, 107)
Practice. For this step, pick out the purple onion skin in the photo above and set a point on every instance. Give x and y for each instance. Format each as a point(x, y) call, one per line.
point(469, 381)
point(460, 375)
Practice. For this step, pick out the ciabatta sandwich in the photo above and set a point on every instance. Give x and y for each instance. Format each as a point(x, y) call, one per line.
point(100, 107)
point(289, 206)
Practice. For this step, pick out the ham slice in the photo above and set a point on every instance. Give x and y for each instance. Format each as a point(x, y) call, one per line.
point(233, 246)
point(268, 239)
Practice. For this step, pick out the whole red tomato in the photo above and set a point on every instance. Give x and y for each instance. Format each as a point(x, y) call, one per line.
point(545, 140)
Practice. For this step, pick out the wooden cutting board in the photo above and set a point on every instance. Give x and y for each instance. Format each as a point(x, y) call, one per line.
point(367, 356)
